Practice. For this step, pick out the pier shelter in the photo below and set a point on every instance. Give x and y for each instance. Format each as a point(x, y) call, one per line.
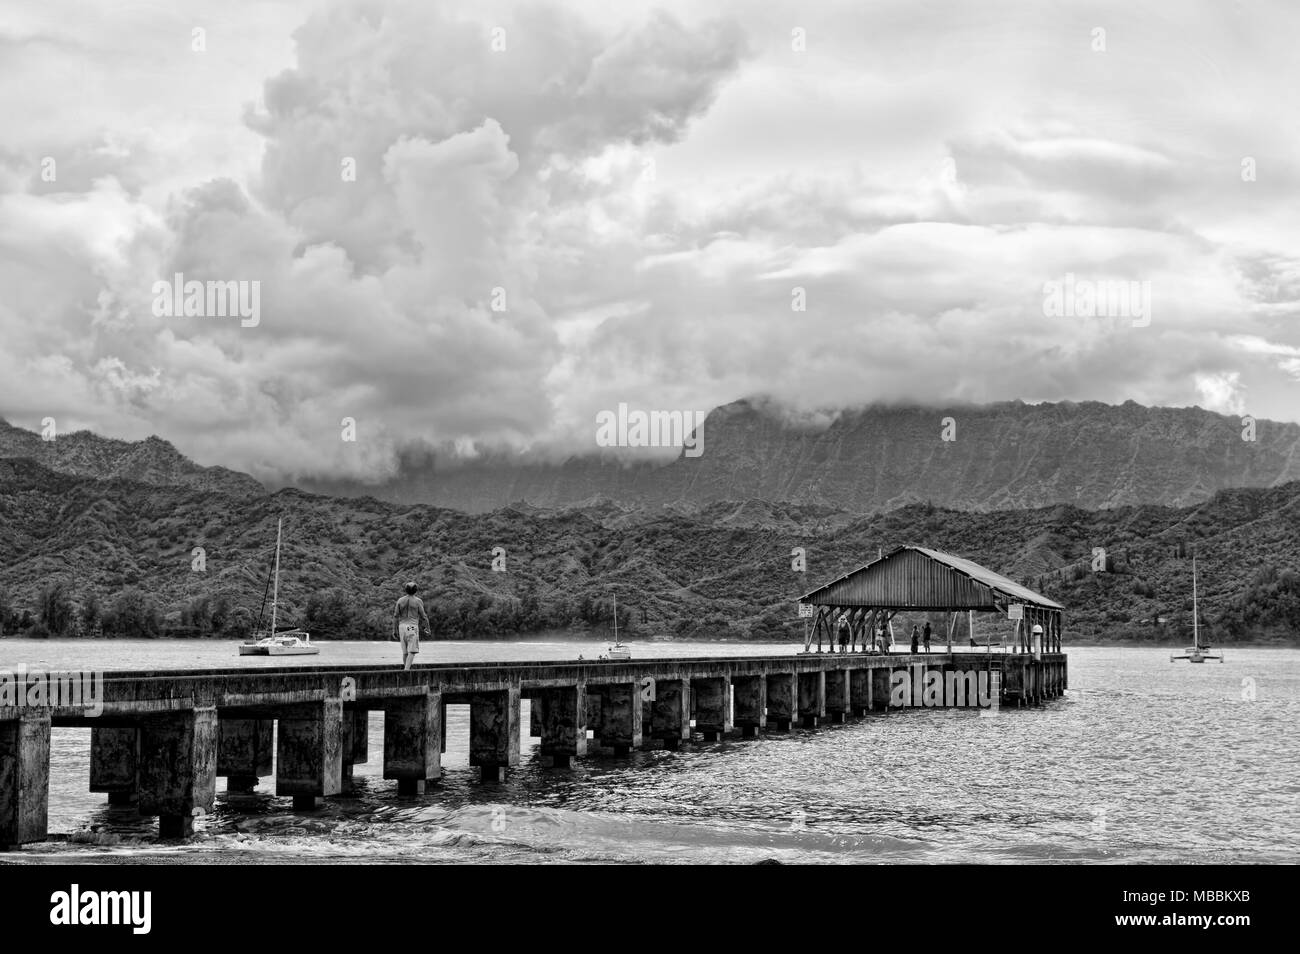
point(918, 579)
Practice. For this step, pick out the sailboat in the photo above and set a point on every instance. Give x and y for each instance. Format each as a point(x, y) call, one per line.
point(291, 642)
point(617, 650)
point(1196, 653)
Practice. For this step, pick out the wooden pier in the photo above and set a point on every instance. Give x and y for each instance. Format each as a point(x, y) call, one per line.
point(161, 739)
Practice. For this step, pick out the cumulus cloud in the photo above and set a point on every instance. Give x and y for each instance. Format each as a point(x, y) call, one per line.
point(475, 226)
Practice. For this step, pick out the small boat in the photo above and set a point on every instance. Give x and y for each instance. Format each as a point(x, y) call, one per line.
point(289, 642)
point(1196, 653)
point(617, 650)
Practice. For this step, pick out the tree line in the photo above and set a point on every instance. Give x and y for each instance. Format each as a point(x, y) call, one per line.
point(1269, 605)
point(328, 614)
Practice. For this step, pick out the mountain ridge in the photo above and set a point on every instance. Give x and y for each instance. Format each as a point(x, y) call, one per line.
point(878, 458)
point(152, 460)
point(873, 459)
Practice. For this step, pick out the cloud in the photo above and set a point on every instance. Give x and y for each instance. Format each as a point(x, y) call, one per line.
point(474, 240)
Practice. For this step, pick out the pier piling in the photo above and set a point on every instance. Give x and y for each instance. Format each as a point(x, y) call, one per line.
point(564, 724)
point(670, 720)
point(244, 752)
point(750, 695)
point(113, 762)
point(494, 732)
point(619, 724)
point(837, 695)
point(309, 752)
point(412, 741)
point(178, 768)
point(355, 744)
point(24, 778)
point(782, 700)
point(712, 707)
point(812, 698)
point(879, 692)
point(860, 691)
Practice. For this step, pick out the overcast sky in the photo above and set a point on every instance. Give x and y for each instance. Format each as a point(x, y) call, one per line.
point(648, 185)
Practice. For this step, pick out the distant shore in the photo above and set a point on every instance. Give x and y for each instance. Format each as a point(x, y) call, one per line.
point(1283, 643)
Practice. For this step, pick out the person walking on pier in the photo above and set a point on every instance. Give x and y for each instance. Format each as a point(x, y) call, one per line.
point(916, 636)
point(925, 636)
point(407, 620)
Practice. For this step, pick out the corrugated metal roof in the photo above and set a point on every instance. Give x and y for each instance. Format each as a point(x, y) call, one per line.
point(921, 578)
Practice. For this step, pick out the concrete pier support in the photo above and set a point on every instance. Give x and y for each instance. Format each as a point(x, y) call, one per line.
point(647, 714)
point(309, 752)
point(1013, 683)
point(178, 768)
point(712, 707)
point(880, 679)
point(536, 706)
point(782, 700)
point(413, 741)
point(812, 698)
point(670, 719)
point(564, 724)
point(494, 732)
point(355, 745)
point(24, 778)
point(750, 696)
point(837, 695)
point(244, 752)
point(113, 764)
point(591, 714)
point(360, 737)
point(860, 691)
point(619, 724)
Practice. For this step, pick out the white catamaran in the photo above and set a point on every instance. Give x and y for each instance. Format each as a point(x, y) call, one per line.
point(291, 642)
point(1196, 652)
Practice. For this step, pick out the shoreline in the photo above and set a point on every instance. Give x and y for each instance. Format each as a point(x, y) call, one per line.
point(1293, 643)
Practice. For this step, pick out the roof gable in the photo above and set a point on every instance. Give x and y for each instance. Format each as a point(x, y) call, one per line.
point(924, 579)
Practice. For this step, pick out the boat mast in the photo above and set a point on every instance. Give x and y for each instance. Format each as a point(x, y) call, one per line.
point(275, 592)
point(1196, 642)
point(616, 616)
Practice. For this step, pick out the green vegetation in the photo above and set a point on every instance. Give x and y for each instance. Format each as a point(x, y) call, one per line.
point(85, 557)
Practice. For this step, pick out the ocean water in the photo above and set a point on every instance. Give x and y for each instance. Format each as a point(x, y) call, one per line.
point(1143, 760)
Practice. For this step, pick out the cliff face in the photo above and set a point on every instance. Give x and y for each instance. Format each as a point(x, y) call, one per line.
point(151, 461)
point(1008, 455)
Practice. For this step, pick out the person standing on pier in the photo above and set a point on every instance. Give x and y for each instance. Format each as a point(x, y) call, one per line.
point(407, 620)
point(925, 636)
point(916, 636)
point(844, 633)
